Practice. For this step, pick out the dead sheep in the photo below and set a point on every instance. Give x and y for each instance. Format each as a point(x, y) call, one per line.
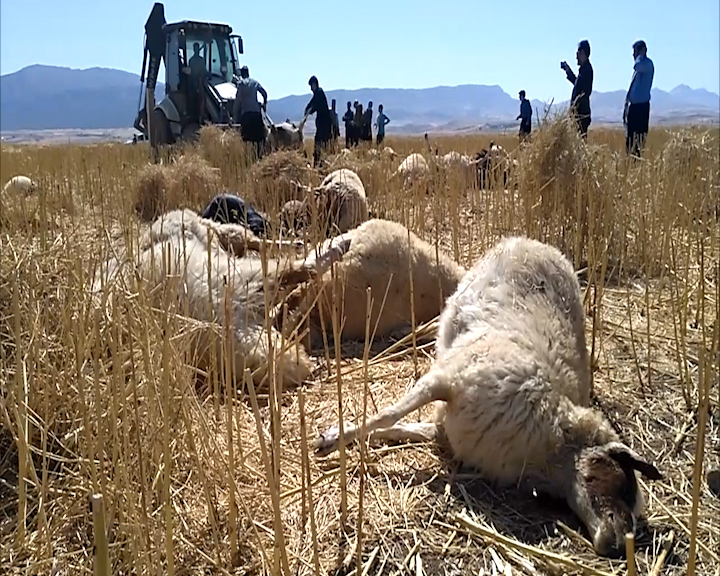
point(455, 161)
point(492, 162)
point(20, 204)
point(20, 185)
point(187, 255)
point(389, 152)
point(379, 257)
point(340, 203)
point(285, 135)
point(295, 215)
point(513, 372)
point(341, 200)
point(412, 169)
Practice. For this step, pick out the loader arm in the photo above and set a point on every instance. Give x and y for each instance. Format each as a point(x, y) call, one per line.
point(154, 54)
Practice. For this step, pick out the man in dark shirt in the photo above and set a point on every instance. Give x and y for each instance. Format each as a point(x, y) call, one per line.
point(582, 87)
point(348, 119)
point(525, 116)
point(366, 134)
point(334, 121)
point(318, 105)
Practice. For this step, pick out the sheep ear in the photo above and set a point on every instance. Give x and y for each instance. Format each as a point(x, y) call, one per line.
point(628, 458)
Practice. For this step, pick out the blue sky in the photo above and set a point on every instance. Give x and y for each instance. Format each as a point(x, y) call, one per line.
point(395, 43)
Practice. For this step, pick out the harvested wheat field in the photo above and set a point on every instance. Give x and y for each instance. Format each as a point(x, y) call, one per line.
point(119, 456)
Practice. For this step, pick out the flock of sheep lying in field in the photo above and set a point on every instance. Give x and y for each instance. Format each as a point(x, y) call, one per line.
point(511, 369)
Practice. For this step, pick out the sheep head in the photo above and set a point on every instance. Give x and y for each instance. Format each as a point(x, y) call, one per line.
point(606, 495)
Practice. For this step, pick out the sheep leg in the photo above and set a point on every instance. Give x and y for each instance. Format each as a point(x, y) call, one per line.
point(412, 432)
point(433, 386)
point(304, 270)
point(315, 265)
point(235, 238)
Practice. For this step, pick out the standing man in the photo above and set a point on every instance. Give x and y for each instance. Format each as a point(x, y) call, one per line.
point(323, 124)
point(334, 120)
point(525, 116)
point(348, 120)
point(358, 122)
point(582, 87)
point(381, 121)
point(247, 111)
point(367, 124)
point(198, 71)
point(636, 115)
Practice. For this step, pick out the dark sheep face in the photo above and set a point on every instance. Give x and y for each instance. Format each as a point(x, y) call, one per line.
point(609, 500)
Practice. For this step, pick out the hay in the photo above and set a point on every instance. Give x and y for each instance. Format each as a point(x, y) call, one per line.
point(222, 147)
point(276, 176)
point(691, 154)
point(188, 182)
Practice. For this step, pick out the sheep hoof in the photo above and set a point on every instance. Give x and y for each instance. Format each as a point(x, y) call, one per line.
point(328, 441)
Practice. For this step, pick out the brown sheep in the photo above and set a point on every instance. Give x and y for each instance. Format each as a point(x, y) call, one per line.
point(379, 257)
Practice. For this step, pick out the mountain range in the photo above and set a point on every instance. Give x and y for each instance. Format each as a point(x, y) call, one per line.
point(48, 97)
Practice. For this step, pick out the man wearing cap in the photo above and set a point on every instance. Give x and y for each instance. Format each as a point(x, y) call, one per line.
point(248, 111)
point(323, 123)
point(525, 116)
point(582, 87)
point(636, 115)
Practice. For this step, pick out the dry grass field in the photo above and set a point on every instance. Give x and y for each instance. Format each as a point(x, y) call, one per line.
point(117, 457)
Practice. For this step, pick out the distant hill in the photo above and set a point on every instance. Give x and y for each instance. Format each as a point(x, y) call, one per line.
point(49, 97)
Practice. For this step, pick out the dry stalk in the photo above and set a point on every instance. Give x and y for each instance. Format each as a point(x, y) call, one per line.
point(274, 494)
point(667, 546)
point(630, 554)
point(308, 482)
point(363, 441)
point(21, 396)
point(336, 325)
point(101, 553)
point(166, 409)
point(228, 354)
point(703, 409)
point(474, 528)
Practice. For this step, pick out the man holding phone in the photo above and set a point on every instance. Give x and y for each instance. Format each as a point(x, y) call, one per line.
point(582, 87)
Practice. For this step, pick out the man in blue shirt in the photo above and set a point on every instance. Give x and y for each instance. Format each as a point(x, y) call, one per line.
point(525, 116)
point(636, 115)
point(582, 87)
point(380, 123)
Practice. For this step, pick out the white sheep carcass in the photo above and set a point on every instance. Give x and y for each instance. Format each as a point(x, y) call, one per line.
point(389, 152)
point(178, 253)
point(340, 204)
point(379, 256)
point(285, 135)
point(491, 164)
point(412, 169)
point(513, 372)
point(20, 185)
point(341, 200)
point(455, 161)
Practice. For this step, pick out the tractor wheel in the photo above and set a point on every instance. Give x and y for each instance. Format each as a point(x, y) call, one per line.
point(160, 133)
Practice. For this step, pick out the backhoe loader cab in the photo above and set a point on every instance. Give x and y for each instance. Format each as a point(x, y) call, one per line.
point(201, 60)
